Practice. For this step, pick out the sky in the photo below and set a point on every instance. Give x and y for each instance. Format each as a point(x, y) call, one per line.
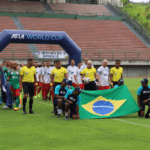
point(139, 1)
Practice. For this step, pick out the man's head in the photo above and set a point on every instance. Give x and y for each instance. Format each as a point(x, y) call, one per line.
point(120, 82)
point(30, 62)
point(77, 91)
point(4, 63)
point(144, 82)
point(64, 82)
point(43, 63)
point(22, 65)
point(36, 64)
point(47, 63)
point(10, 64)
point(89, 64)
point(80, 64)
point(14, 65)
point(86, 60)
point(104, 63)
point(7, 63)
point(117, 63)
point(57, 63)
point(72, 61)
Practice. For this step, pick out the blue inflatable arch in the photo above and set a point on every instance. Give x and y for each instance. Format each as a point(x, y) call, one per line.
point(41, 37)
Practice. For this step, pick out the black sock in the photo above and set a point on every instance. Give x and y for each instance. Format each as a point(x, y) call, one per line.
point(30, 104)
point(24, 103)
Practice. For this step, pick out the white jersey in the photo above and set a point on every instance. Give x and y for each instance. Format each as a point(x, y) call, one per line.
point(77, 72)
point(104, 74)
point(46, 72)
point(71, 71)
point(40, 72)
point(37, 73)
point(84, 66)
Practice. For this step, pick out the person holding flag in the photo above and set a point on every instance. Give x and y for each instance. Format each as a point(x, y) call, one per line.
point(72, 101)
point(120, 82)
point(143, 98)
point(60, 91)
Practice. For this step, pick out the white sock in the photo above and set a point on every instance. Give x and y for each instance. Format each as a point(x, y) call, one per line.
point(59, 111)
point(66, 114)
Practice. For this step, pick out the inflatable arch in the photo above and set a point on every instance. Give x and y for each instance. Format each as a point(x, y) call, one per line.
point(41, 37)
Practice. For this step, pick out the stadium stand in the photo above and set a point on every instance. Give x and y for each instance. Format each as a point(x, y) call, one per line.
point(92, 35)
point(20, 50)
point(21, 6)
point(79, 8)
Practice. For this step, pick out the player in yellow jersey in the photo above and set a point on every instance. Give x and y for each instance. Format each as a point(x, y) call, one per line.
point(27, 80)
point(116, 73)
point(57, 75)
point(89, 72)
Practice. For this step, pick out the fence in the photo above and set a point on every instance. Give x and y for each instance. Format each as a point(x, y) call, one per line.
point(91, 54)
point(34, 11)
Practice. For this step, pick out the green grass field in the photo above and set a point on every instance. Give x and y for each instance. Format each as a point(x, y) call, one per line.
point(44, 131)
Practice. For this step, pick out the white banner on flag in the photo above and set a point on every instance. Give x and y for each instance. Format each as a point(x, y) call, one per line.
point(52, 54)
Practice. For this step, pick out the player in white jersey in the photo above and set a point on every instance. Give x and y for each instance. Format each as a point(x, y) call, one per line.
point(85, 64)
point(40, 79)
point(103, 76)
point(77, 77)
point(71, 69)
point(37, 76)
point(46, 79)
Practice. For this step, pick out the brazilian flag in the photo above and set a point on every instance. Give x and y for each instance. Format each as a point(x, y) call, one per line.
point(107, 103)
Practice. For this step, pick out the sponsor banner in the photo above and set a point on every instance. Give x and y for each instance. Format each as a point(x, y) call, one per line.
point(52, 54)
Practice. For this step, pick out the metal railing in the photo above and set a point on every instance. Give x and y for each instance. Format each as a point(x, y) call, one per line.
point(91, 54)
point(5, 10)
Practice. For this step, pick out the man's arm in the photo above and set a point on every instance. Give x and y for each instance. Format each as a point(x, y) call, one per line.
point(35, 79)
point(138, 100)
point(75, 78)
point(66, 75)
point(20, 83)
point(111, 78)
point(52, 78)
point(121, 76)
point(82, 76)
point(39, 78)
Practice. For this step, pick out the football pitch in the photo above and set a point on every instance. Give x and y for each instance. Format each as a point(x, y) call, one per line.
point(44, 131)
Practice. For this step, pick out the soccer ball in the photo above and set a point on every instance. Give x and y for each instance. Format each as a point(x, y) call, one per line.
point(15, 109)
point(86, 80)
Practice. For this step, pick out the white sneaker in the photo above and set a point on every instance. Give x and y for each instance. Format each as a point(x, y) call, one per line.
point(5, 106)
point(20, 105)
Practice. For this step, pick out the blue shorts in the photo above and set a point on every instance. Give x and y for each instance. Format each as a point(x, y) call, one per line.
point(142, 108)
point(55, 102)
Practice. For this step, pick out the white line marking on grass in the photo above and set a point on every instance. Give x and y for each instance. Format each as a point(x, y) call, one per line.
point(45, 103)
point(144, 125)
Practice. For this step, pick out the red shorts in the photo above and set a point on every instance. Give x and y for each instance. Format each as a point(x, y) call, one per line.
point(16, 92)
point(40, 84)
point(80, 85)
point(104, 88)
point(46, 86)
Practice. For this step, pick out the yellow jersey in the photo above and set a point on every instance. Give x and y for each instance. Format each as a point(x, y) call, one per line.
point(90, 73)
point(28, 74)
point(59, 74)
point(117, 73)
